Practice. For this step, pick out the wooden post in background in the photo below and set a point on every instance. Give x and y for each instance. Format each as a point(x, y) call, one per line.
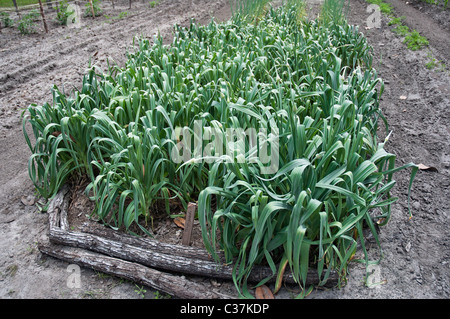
point(92, 9)
point(43, 16)
point(17, 9)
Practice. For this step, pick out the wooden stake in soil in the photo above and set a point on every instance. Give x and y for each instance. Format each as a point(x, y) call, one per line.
point(43, 16)
point(17, 9)
point(92, 8)
point(189, 224)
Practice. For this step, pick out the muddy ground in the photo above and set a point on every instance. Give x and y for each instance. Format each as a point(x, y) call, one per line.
point(415, 102)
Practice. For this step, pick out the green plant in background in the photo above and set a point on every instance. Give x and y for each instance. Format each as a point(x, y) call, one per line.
point(27, 25)
point(140, 291)
point(415, 41)
point(386, 8)
point(251, 10)
point(335, 11)
point(122, 15)
point(309, 83)
point(62, 13)
point(95, 6)
point(158, 295)
point(6, 20)
point(444, 3)
point(401, 30)
point(396, 20)
point(433, 63)
point(153, 4)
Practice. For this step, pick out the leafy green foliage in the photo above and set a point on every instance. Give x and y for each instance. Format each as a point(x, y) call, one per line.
point(153, 4)
point(415, 41)
point(27, 25)
point(386, 8)
point(95, 6)
point(335, 11)
point(251, 10)
point(443, 3)
point(6, 20)
point(63, 13)
point(401, 30)
point(396, 20)
point(309, 83)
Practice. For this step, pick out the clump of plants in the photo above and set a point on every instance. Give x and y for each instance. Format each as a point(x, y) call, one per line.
point(396, 20)
point(415, 41)
point(27, 24)
point(385, 7)
point(97, 11)
point(164, 128)
point(434, 63)
point(63, 12)
point(6, 20)
point(153, 4)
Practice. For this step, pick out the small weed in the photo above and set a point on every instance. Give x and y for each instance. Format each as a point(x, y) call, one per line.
point(401, 30)
point(153, 4)
point(435, 64)
point(122, 15)
point(158, 295)
point(396, 20)
point(102, 275)
point(415, 41)
point(12, 270)
point(140, 291)
point(384, 7)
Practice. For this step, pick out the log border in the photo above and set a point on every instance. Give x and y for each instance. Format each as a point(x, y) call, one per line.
point(159, 265)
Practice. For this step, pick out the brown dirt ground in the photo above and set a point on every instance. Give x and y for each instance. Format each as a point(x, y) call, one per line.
point(416, 255)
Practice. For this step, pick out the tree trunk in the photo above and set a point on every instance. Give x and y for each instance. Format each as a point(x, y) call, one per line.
point(174, 285)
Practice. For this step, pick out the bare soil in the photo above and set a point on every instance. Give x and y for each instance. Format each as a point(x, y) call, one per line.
point(415, 261)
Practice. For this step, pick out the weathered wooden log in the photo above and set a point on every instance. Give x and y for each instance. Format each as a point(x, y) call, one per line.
point(152, 253)
point(168, 259)
point(56, 205)
point(178, 286)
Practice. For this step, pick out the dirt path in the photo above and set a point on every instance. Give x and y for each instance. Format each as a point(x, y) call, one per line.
point(436, 31)
point(416, 254)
